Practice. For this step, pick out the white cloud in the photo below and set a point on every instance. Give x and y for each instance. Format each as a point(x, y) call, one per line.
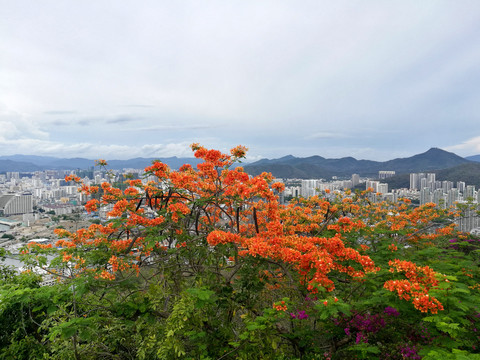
point(91, 150)
point(169, 127)
point(15, 125)
point(466, 148)
point(326, 135)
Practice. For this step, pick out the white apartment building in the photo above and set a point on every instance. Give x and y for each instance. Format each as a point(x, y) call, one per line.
point(469, 221)
point(425, 196)
point(309, 187)
point(355, 179)
point(469, 192)
point(384, 174)
point(13, 204)
point(382, 188)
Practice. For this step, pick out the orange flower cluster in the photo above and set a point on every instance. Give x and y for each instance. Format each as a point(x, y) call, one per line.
point(239, 152)
point(221, 237)
point(392, 247)
point(280, 306)
point(92, 205)
point(105, 275)
point(178, 208)
point(101, 162)
point(72, 177)
point(345, 225)
point(66, 257)
point(88, 190)
point(121, 206)
point(313, 257)
point(135, 219)
point(159, 169)
point(114, 262)
point(420, 279)
point(38, 245)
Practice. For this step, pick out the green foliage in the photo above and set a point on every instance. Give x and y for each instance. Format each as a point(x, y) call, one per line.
point(174, 295)
point(455, 354)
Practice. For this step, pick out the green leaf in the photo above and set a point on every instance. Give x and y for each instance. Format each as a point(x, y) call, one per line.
point(68, 332)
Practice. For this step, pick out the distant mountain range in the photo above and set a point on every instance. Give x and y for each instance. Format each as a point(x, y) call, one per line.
point(285, 167)
point(319, 167)
point(29, 163)
point(473, 158)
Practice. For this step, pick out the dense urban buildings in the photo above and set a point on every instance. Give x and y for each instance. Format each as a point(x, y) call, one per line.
point(424, 188)
point(45, 193)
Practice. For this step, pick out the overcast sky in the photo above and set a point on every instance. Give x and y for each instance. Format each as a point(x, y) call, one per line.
point(121, 79)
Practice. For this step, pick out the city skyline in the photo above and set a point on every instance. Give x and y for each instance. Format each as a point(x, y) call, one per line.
point(370, 80)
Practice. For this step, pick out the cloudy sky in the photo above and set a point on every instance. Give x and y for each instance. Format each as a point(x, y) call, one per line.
point(121, 79)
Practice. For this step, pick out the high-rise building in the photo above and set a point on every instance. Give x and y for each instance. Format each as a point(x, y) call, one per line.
point(425, 196)
point(447, 186)
point(372, 184)
point(355, 179)
point(382, 188)
point(413, 181)
point(452, 197)
point(424, 183)
point(384, 174)
point(468, 221)
point(309, 188)
point(469, 192)
point(13, 175)
point(438, 197)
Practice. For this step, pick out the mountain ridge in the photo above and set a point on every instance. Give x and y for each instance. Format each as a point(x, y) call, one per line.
point(288, 166)
point(319, 167)
point(473, 158)
point(29, 163)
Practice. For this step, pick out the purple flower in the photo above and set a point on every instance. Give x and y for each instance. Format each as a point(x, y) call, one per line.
point(299, 315)
point(409, 353)
point(391, 311)
point(361, 337)
point(367, 323)
point(302, 315)
point(347, 331)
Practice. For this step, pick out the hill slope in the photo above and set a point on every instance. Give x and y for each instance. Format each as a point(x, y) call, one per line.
point(17, 166)
point(28, 163)
point(473, 158)
point(319, 167)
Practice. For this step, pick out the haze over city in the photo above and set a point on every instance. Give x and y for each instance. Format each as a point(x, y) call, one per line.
point(374, 80)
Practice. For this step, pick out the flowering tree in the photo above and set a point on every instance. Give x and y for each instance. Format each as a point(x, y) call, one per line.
point(206, 263)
